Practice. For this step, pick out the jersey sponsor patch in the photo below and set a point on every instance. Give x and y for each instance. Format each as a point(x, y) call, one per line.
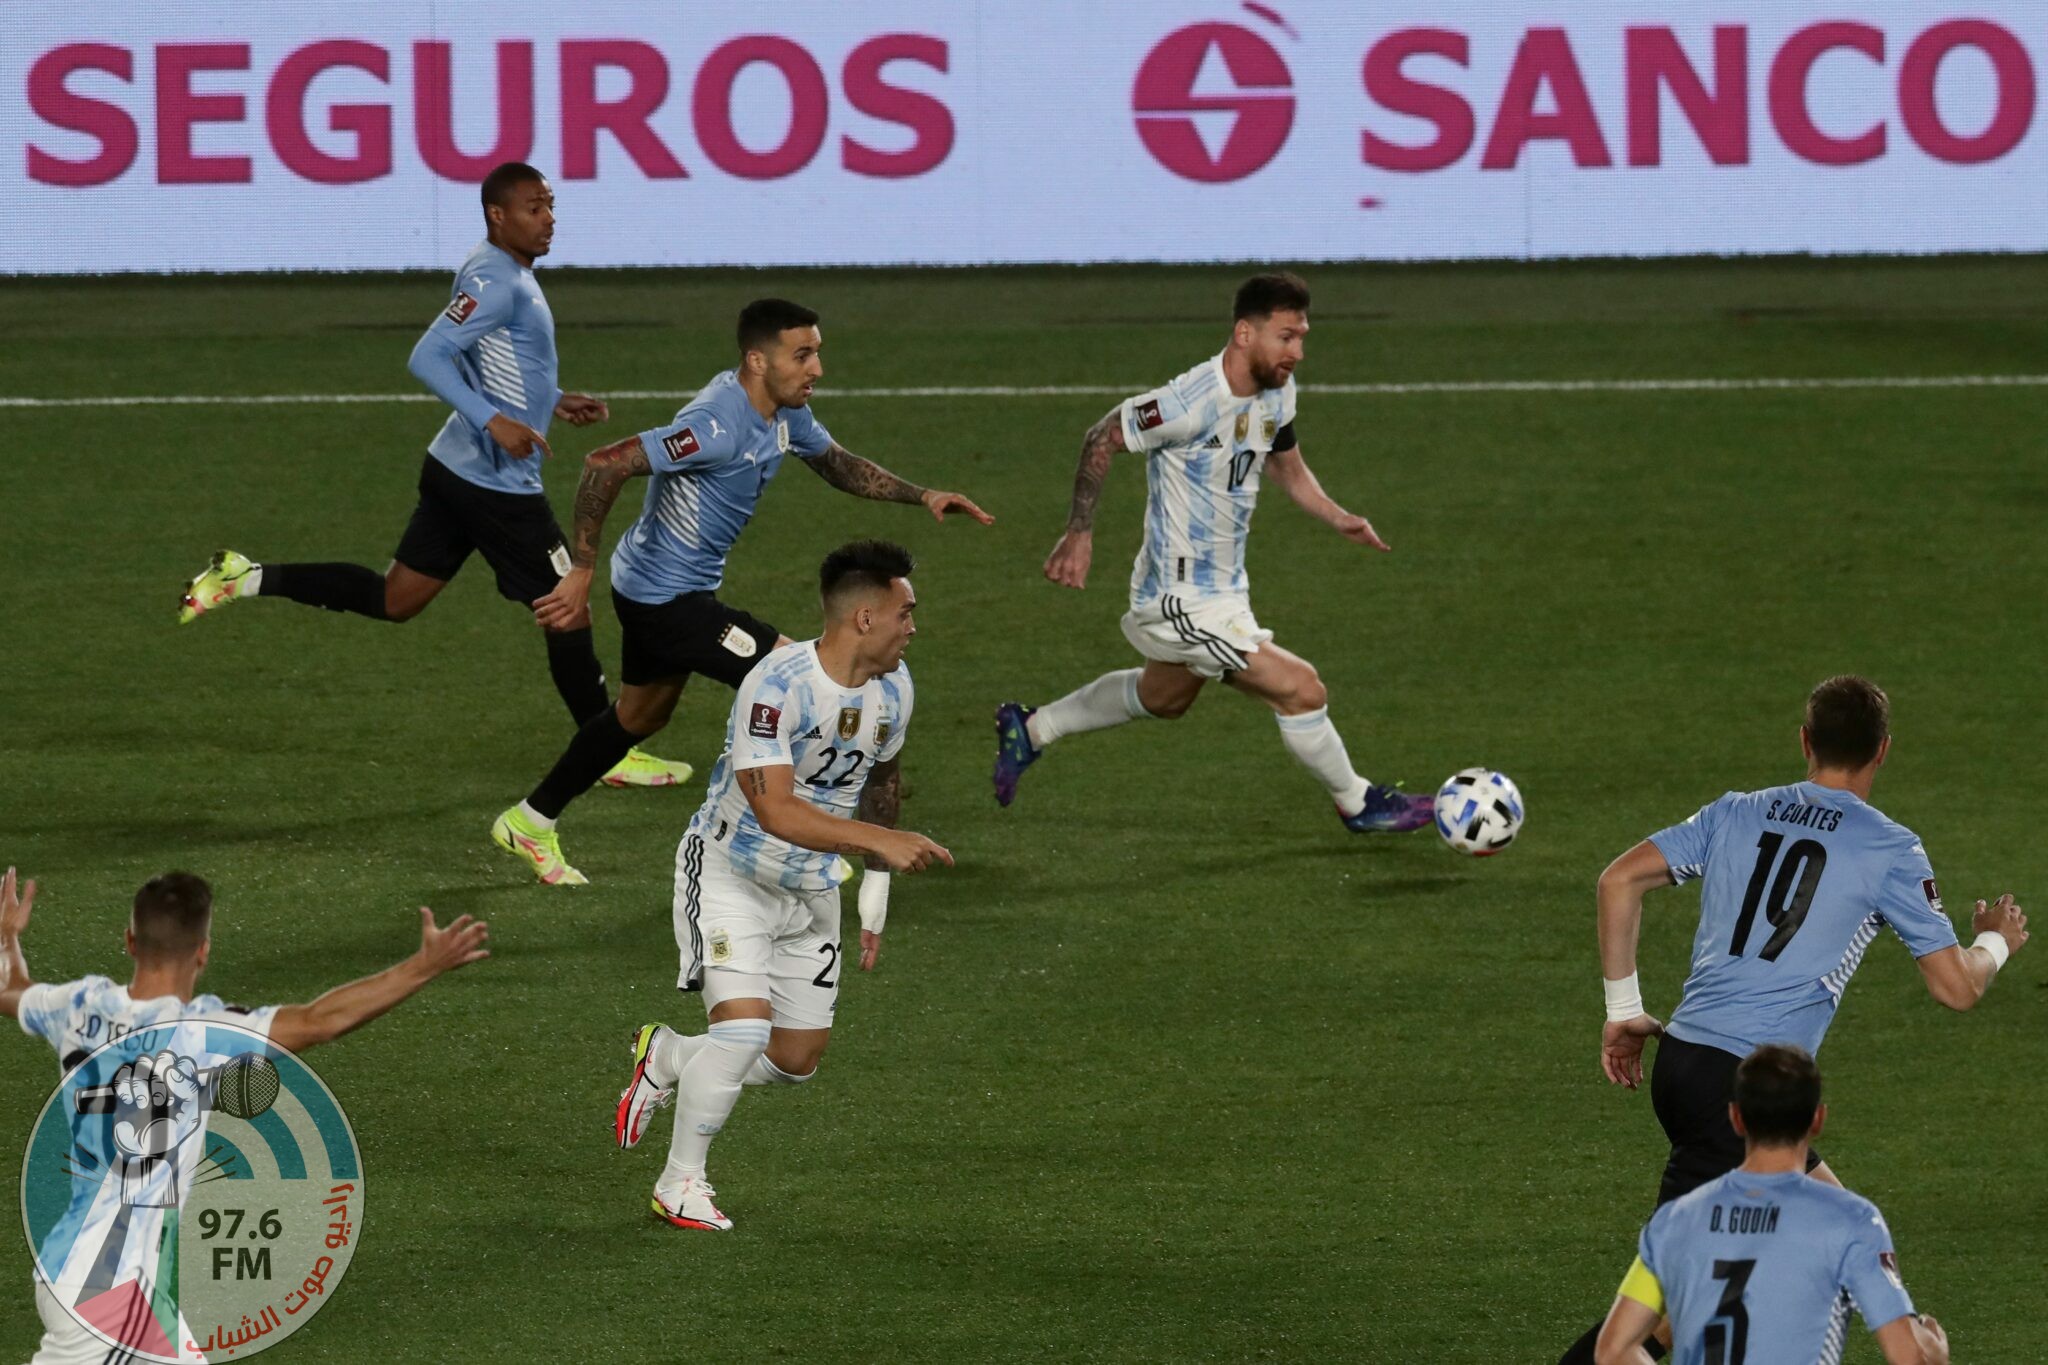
point(680, 445)
point(1932, 892)
point(737, 641)
point(764, 721)
point(1148, 415)
point(1890, 1262)
point(558, 559)
point(459, 308)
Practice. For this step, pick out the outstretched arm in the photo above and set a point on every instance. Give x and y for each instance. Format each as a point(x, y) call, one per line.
point(1288, 469)
point(863, 478)
point(1622, 888)
point(1068, 563)
point(346, 1008)
point(605, 472)
point(14, 912)
point(881, 803)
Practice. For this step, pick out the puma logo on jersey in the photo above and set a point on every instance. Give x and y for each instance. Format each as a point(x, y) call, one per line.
point(480, 282)
point(716, 430)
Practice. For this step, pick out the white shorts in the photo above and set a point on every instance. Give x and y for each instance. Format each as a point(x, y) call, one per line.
point(1211, 636)
point(730, 927)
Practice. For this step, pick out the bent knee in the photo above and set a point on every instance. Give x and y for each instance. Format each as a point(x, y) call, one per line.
point(792, 1065)
point(1167, 708)
point(1310, 694)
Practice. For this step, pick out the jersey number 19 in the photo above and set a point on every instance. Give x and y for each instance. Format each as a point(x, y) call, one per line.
point(1791, 894)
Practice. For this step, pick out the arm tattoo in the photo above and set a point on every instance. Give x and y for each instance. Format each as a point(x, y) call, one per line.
point(605, 472)
point(756, 780)
point(881, 801)
point(1103, 440)
point(849, 473)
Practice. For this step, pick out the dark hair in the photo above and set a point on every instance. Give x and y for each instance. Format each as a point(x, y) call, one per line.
point(863, 566)
point(1777, 1090)
point(173, 915)
point(763, 320)
point(1261, 296)
point(503, 179)
point(1847, 719)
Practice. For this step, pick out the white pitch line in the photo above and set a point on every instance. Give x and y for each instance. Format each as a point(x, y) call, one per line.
point(1472, 386)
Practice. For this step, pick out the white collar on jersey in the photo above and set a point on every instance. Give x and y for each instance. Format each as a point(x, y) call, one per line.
point(826, 679)
point(1223, 386)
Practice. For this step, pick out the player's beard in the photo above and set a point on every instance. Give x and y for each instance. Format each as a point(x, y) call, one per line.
point(1268, 376)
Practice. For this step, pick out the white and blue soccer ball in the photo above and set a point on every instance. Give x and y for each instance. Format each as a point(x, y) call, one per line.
point(1479, 811)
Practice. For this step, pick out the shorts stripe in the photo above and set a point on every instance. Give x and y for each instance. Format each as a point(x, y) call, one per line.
point(693, 872)
point(1219, 648)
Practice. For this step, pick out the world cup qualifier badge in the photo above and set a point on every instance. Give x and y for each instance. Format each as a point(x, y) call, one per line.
point(191, 1192)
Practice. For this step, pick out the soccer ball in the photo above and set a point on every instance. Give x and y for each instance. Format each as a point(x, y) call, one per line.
point(1479, 811)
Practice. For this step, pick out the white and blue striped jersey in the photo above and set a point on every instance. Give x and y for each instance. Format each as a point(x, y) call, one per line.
point(491, 351)
point(1765, 1269)
point(1204, 450)
point(1798, 880)
point(790, 711)
point(710, 465)
point(103, 1239)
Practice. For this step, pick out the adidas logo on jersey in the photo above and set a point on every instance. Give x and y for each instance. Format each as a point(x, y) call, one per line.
point(1213, 443)
point(813, 733)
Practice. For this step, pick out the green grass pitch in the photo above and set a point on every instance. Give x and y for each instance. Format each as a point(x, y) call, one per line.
point(1170, 1067)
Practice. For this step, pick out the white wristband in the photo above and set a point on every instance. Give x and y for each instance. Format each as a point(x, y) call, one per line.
point(1624, 998)
point(1993, 942)
point(874, 900)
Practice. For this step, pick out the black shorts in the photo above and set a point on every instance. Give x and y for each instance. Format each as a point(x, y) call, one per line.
point(516, 533)
point(1690, 1087)
point(694, 633)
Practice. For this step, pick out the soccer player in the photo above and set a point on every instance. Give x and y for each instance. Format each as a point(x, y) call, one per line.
point(170, 939)
point(1763, 1264)
point(811, 770)
point(1207, 438)
point(1798, 881)
point(709, 468)
point(490, 356)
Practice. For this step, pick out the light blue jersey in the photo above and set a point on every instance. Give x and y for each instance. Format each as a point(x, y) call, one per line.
point(1798, 881)
point(491, 351)
point(108, 1235)
point(1765, 1268)
point(710, 465)
point(1205, 448)
point(790, 711)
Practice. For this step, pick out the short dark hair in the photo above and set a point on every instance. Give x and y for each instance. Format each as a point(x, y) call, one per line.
point(1847, 720)
point(1777, 1091)
point(504, 178)
point(1261, 296)
point(862, 566)
point(173, 915)
point(763, 320)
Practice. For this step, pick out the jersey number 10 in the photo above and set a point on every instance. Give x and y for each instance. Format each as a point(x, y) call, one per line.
point(1791, 893)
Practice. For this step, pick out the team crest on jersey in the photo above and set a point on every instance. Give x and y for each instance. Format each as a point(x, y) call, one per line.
point(1148, 414)
point(849, 722)
point(721, 947)
point(1932, 892)
point(1270, 427)
point(680, 445)
point(782, 436)
point(764, 720)
point(881, 733)
point(1244, 424)
point(459, 308)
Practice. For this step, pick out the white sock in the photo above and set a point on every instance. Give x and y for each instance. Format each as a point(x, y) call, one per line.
point(541, 822)
point(706, 1091)
point(1320, 749)
point(252, 582)
point(672, 1052)
point(1110, 700)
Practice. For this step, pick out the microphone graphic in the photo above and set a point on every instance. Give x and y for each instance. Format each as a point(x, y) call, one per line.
point(242, 1088)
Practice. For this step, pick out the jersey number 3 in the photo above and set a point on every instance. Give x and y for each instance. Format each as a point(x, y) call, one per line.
point(1727, 1337)
point(1791, 893)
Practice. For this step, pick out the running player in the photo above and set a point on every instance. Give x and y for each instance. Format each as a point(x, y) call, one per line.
point(1798, 881)
point(1763, 1263)
point(490, 356)
point(1207, 438)
point(709, 467)
point(814, 741)
point(169, 938)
